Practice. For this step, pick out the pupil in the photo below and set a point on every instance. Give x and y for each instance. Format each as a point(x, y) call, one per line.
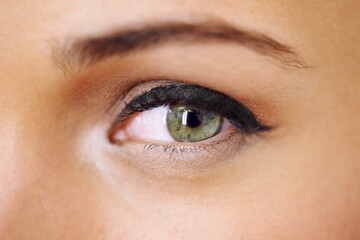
point(192, 118)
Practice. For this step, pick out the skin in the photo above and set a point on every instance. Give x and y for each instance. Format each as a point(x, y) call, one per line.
point(60, 177)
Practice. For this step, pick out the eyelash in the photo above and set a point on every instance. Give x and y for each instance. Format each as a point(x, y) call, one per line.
point(246, 123)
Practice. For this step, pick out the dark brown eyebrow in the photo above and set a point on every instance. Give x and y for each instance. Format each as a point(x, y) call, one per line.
point(87, 51)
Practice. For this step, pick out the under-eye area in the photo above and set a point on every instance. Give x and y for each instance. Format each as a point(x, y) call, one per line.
point(183, 160)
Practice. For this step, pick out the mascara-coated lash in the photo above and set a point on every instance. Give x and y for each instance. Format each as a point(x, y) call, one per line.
point(190, 94)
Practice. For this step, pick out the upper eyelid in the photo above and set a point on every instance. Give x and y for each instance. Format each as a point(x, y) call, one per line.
point(135, 90)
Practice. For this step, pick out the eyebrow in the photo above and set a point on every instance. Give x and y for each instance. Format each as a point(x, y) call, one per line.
point(89, 50)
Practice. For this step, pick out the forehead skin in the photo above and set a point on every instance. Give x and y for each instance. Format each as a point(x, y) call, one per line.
point(45, 193)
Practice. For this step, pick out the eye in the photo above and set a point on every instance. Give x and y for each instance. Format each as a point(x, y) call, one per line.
point(179, 112)
point(177, 123)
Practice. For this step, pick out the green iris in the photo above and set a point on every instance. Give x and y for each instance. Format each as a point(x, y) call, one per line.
point(191, 124)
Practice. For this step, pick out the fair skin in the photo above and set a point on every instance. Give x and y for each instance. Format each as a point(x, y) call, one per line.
point(62, 178)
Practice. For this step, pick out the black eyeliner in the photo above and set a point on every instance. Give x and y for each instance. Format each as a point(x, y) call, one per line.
point(205, 98)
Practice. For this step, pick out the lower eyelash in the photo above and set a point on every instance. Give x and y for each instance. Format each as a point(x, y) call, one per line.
point(181, 160)
point(172, 149)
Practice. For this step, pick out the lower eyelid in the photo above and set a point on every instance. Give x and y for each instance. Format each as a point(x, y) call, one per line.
point(183, 160)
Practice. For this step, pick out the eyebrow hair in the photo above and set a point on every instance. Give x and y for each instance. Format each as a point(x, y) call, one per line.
point(90, 50)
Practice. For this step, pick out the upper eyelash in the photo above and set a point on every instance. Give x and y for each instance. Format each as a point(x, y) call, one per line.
point(190, 94)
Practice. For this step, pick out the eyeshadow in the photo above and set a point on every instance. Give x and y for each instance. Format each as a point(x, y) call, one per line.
point(195, 95)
